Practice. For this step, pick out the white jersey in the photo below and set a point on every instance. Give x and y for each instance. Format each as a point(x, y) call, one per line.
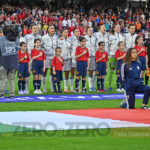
point(130, 40)
point(49, 44)
point(91, 45)
point(22, 39)
point(100, 37)
point(65, 45)
point(113, 42)
point(30, 41)
point(74, 44)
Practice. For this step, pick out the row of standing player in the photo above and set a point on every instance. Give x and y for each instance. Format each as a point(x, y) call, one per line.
point(82, 58)
point(38, 63)
point(69, 45)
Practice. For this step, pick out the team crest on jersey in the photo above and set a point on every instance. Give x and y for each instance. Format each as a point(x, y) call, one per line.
point(138, 67)
point(34, 71)
point(19, 74)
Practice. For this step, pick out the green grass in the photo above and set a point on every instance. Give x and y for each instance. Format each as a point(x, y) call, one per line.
point(67, 105)
point(102, 139)
point(76, 139)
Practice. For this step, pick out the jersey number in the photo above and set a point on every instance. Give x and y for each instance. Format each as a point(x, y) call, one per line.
point(10, 50)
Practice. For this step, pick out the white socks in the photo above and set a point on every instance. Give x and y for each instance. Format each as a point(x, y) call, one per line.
point(51, 83)
point(44, 84)
point(27, 84)
point(6, 84)
point(94, 80)
point(90, 82)
point(66, 84)
point(71, 84)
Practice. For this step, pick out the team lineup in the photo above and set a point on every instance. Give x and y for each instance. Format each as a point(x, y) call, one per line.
point(78, 57)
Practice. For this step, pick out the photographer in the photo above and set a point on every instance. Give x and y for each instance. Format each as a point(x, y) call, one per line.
point(9, 45)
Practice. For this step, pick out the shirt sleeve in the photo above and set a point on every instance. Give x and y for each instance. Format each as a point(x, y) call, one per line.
point(60, 43)
point(110, 39)
point(63, 61)
point(77, 51)
point(44, 57)
point(116, 54)
point(123, 71)
point(88, 54)
point(53, 62)
point(135, 47)
point(42, 42)
point(96, 56)
point(106, 56)
point(32, 53)
point(19, 57)
point(28, 57)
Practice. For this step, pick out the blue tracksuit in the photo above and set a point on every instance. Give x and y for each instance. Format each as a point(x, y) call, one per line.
point(133, 83)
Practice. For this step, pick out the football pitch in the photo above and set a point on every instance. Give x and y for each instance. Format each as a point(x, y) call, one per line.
point(25, 138)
